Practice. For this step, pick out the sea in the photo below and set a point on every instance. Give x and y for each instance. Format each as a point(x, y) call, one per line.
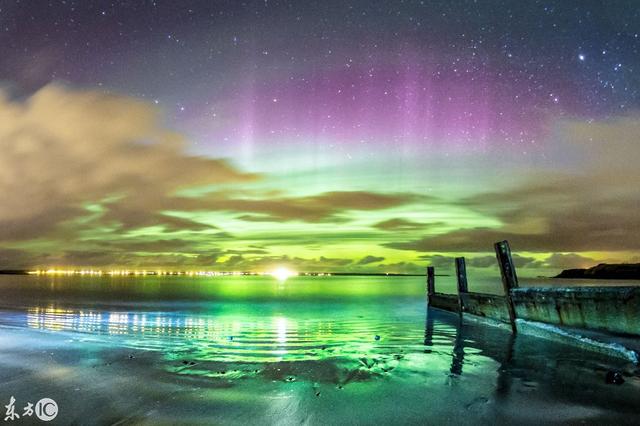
point(306, 350)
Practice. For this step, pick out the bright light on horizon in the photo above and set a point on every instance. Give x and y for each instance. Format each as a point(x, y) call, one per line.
point(281, 273)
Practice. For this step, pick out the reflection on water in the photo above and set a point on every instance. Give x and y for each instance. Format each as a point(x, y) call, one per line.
point(366, 346)
point(239, 334)
point(235, 319)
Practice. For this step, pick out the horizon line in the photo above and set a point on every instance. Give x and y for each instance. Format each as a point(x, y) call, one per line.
point(170, 272)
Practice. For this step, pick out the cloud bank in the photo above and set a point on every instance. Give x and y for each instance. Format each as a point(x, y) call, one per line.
point(590, 206)
point(84, 172)
point(62, 148)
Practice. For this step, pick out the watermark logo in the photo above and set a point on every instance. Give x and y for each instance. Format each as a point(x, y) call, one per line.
point(11, 414)
point(46, 410)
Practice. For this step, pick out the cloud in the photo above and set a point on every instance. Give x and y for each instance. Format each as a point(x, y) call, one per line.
point(266, 263)
point(401, 268)
point(526, 262)
point(62, 148)
point(553, 261)
point(591, 206)
point(568, 261)
point(482, 261)
point(327, 206)
point(14, 259)
point(152, 246)
point(247, 251)
point(370, 259)
point(399, 224)
point(89, 171)
point(439, 261)
point(586, 225)
point(257, 218)
point(490, 261)
point(77, 161)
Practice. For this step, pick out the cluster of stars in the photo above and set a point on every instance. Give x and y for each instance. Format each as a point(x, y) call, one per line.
point(413, 72)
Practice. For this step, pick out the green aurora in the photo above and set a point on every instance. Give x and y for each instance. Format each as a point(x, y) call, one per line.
point(155, 204)
point(324, 137)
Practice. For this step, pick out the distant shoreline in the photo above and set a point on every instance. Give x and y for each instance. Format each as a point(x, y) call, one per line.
point(225, 273)
point(604, 271)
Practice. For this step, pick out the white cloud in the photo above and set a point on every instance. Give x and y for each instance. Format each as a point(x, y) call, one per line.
point(61, 148)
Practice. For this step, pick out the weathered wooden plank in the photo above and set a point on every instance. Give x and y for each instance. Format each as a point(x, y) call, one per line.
point(486, 305)
point(611, 309)
point(447, 302)
point(461, 278)
point(461, 275)
point(505, 261)
point(431, 281)
point(509, 278)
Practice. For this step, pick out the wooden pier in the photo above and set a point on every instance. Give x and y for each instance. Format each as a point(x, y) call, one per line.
point(614, 311)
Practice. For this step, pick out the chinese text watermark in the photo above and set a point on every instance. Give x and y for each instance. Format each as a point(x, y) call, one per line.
point(45, 409)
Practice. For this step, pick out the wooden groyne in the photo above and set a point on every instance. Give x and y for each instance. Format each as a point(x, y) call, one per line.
point(611, 310)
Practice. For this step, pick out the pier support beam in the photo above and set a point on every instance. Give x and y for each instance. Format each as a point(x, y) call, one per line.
point(461, 277)
point(431, 283)
point(509, 278)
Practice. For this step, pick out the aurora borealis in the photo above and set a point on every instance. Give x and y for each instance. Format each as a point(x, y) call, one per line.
point(368, 136)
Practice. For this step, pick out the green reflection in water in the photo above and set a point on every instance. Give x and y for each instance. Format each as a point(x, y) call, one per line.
point(356, 327)
point(226, 288)
point(242, 349)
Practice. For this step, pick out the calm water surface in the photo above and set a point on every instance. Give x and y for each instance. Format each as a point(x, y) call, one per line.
point(310, 350)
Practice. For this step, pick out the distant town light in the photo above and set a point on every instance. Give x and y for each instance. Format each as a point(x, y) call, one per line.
point(281, 273)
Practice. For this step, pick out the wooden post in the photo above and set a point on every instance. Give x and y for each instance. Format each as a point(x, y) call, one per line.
point(509, 277)
point(457, 358)
point(431, 283)
point(461, 276)
point(428, 330)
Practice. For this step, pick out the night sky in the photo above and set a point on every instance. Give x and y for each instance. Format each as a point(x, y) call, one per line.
point(377, 136)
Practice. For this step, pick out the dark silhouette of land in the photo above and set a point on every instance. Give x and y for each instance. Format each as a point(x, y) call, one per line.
point(622, 271)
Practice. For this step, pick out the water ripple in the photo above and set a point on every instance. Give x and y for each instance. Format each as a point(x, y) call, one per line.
point(242, 337)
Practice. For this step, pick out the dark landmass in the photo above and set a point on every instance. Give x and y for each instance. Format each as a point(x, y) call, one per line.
point(622, 271)
point(13, 272)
